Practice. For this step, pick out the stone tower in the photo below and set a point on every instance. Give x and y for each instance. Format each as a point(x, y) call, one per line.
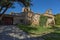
point(27, 15)
point(26, 9)
point(30, 17)
point(50, 20)
point(49, 11)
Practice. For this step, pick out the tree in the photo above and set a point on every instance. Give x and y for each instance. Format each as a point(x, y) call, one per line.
point(26, 3)
point(8, 3)
point(4, 5)
point(57, 19)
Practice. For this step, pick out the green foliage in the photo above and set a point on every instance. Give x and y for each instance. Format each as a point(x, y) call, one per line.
point(43, 20)
point(26, 3)
point(10, 3)
point(47, 33)
point(57, 19)
point(27, 28)
point(34, 29)
point(55, 35)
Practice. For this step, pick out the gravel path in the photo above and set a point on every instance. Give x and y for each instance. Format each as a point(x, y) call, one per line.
point(11, 32)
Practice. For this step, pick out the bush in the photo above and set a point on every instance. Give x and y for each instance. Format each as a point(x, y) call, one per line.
point(57, 19)
point(37, 30)
point(43, 20)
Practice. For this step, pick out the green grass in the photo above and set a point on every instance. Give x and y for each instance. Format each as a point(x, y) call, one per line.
point(27, 28)
point(48, 33)
point(35, 30)
point(55, 35)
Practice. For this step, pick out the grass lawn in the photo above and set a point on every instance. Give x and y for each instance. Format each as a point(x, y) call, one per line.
point(48, 33)
point(55, 35)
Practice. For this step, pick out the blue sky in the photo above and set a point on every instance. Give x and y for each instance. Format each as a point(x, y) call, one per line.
point(39, 6)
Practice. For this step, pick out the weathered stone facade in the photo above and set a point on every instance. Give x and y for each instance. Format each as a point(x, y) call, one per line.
point(35, 20)
point(29, 17)
point(50, 20)
point(26, 17)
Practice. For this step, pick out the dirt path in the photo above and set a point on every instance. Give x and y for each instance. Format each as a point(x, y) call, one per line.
point(11, 32)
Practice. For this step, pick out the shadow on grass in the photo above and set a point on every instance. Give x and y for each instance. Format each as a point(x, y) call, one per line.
point(50, 36)
point(55, 28)
point(7, 37)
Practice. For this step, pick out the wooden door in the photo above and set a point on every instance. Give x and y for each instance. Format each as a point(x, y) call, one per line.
point(8, 20)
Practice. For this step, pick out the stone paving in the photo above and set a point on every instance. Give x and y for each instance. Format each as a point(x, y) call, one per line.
point(11, 32)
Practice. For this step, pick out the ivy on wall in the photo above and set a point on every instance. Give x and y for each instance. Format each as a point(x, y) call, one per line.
point(43, 20)
point(57, 19)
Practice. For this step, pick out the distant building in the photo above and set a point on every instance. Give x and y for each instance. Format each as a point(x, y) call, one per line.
point(27, 17)
point(51, 18)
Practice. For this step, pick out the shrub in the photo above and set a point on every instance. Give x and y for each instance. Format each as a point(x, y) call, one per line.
point(34, 30)
point(27, 28)
point(43, 20)
point(57, 19)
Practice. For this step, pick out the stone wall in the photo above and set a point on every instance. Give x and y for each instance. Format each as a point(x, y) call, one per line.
point(35, 20)
point(51, 18)
point(16, 20)
point(29, 17)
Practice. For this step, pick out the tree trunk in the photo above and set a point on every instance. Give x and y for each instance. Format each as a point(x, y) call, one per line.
point(7, 6)
point(1, 9)
point(3, 13)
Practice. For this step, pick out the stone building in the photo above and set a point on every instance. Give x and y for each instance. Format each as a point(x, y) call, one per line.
point(50, 20)
point(27, 17)
point(35, 20)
